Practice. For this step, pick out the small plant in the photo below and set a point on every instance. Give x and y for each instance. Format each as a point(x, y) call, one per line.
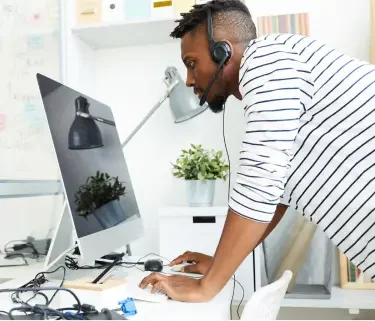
point(98, 191)
point(200, 164)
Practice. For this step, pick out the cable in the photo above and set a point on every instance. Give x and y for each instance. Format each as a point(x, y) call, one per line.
point(18, 248)
point(243, 296)
point(231, 300)
point(72, 264)
point(62, 281)
point(39, 309)
point(226, 149)
point(229, 177)
point(38, 280)
point(4, 312)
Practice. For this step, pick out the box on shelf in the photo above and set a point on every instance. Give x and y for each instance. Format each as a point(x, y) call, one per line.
point(180, 6)
point(162, 9)
point(88, 11)
point(137, 10)
point(113, 10)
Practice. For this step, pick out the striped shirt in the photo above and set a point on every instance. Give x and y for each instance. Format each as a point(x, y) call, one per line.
point(310, 140)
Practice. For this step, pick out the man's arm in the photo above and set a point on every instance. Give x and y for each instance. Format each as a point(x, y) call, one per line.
point(279, 213)
point(239, 238)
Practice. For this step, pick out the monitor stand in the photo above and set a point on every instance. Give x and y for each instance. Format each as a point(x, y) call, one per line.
point(65, 240)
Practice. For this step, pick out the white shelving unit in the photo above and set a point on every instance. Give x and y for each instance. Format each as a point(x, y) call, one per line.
point(340, 299)
point(107, 36)
point(143, 33)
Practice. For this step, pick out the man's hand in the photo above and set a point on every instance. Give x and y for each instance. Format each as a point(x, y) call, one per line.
point(202, 262)
point(177, 287)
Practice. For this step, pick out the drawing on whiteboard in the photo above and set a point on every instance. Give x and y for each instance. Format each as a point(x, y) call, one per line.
point(35, 42)
point(3, 122)
point(29, 107)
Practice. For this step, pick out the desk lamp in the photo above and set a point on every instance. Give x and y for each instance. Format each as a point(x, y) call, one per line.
point(84, 133)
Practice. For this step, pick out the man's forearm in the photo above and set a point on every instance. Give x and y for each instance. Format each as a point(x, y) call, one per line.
point(239, 238)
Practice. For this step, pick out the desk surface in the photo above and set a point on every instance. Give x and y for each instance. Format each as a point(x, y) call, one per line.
point(217, 309)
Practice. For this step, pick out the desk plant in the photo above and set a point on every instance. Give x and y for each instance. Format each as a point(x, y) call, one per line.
point(99, 197)
point(200, 168)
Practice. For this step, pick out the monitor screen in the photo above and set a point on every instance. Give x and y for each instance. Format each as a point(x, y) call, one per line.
point(93, 167)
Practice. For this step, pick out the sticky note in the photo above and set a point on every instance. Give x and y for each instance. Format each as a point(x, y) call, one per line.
point(162, 4)
point(181, 6)
point(162, 9)
point(35, 42)
point(137, 9)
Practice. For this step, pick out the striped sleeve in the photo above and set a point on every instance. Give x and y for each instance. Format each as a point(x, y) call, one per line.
point(275, 92)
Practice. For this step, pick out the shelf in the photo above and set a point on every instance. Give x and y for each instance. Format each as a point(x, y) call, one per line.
point(114, 35)
point(340, 299)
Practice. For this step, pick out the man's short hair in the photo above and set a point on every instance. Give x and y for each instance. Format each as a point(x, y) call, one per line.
point(233, 16)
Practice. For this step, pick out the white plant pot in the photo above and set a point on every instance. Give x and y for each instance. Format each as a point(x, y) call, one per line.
point(110, 214)
point(200, 193)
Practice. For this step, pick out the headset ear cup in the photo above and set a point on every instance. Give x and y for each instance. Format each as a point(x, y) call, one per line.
point(221, 51)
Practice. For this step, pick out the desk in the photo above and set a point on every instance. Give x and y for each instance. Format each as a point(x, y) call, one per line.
point(217, 309)
point(16, 272)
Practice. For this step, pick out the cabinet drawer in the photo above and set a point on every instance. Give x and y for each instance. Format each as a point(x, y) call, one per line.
point(195, 233)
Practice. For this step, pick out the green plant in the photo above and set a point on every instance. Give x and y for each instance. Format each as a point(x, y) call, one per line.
point(96, 192)
point(201, 164)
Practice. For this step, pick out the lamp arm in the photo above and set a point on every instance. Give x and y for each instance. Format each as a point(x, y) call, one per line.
point(158, 104)
point(99, 119)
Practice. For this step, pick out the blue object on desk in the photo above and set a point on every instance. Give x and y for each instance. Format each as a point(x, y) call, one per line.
point(128, 307)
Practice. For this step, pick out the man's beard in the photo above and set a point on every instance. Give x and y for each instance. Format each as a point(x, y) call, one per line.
point(216, 105)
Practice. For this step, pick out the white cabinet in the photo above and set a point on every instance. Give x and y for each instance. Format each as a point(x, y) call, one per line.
point(198, 229)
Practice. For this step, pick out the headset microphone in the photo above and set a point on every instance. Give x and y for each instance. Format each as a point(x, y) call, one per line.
point(220, 53)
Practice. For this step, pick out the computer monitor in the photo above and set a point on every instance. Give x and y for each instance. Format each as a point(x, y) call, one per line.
point(94, 173)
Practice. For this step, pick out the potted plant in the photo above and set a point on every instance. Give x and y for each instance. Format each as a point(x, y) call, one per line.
point(200, 168)
point(100, 196)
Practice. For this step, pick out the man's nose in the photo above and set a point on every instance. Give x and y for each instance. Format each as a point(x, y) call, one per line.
point(190, 82)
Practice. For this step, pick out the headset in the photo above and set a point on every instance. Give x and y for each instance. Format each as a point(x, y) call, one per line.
point(220, 54)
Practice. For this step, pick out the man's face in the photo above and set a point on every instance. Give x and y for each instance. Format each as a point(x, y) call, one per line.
point(200, 67)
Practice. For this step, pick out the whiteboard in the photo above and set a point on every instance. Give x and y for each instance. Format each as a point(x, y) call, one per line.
point(29, 43)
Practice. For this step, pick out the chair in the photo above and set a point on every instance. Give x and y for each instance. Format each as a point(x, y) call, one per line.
point(265, 303)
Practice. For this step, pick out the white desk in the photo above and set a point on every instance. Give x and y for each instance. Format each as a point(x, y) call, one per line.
point(217, 309)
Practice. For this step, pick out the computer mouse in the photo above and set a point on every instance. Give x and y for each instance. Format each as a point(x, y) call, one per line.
point(154, 265)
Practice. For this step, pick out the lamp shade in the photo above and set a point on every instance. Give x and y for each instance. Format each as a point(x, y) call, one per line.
point(84, 133)
point(182, 100)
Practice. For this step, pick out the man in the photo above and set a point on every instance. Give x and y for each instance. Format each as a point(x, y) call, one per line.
point(309, 140)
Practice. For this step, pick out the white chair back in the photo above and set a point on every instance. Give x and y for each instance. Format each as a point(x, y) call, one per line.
point(265, 303)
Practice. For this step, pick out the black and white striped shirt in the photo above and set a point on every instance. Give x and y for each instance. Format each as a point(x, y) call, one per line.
point(310, 140)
